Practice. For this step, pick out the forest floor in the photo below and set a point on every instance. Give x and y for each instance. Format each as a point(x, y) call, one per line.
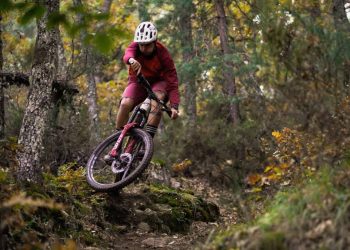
point(141, 237)
point(68, 214)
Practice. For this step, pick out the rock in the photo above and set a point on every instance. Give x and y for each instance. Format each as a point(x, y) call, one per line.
point(121, 228)
point(144, 227)
point(158, 174)
point(159, 208)
point(149, 211)
point(163, 207)
point(155, 242)
point(175, 184)
point(185, 207)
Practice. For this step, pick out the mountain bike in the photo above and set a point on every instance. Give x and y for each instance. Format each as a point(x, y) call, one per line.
point(131, 149)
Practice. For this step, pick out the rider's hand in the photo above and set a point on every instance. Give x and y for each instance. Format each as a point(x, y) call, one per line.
point(174, 113)
point(135, 65)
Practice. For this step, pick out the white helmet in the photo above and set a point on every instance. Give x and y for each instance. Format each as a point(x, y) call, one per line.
point(146, 32)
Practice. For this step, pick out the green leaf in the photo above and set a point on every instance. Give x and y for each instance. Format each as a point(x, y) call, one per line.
point(21, 6)
point(37, 11)
point(103, 42)
point(101, 16)
point(73, 29)
point(56, 19)
point(5, 5)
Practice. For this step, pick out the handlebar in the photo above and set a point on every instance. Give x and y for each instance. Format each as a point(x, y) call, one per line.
point(143, 81)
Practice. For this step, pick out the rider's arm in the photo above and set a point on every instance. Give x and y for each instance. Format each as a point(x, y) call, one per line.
point(170, 76)
point(130, 52)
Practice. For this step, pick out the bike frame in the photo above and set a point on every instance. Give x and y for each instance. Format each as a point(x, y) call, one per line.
point(135, 114)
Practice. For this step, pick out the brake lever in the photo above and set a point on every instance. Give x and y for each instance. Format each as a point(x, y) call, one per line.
point(165, 108)
point(167, 111)
point(141, 78)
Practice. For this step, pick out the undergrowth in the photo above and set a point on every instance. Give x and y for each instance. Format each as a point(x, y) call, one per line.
point(40, 216)
point(312, 215)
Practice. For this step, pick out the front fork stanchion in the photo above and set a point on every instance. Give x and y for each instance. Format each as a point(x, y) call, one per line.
point(130, 145)
point(117, 145)
point(126, 158)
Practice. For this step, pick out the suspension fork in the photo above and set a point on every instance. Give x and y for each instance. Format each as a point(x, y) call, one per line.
point(130, 144)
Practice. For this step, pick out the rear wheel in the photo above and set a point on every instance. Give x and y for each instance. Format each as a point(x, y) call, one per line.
point(129, 163)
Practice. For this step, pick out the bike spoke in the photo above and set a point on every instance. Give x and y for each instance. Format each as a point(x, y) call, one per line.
point(123, 165)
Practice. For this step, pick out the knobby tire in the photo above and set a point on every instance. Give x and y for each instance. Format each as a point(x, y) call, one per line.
point(134, 174)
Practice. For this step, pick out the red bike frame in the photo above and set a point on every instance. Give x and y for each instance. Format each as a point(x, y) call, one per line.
point(131, 143)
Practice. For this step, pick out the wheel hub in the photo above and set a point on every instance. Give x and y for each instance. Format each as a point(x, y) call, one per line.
point(123, 162)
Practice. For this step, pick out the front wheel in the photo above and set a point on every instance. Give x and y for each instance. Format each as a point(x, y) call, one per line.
point(123, 169)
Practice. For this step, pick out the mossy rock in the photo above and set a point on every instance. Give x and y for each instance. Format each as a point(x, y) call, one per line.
point(184, 207)
point(162, 208)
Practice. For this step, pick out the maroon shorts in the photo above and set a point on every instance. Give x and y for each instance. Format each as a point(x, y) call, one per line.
point(138, 93)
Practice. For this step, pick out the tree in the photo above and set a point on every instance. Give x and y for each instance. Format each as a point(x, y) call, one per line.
point(342, 25)
point(2, 98)
point(185, 9)
point(142, 9)
point(92, 62)
point(339, 15)
point(39, 101)
point(230, 85)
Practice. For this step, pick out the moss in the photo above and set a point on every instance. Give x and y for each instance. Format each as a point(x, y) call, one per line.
point(178, 220)
point(82, 208)
point(3, 177)
point(272, 241)
point(184, 208)
point(87, 238)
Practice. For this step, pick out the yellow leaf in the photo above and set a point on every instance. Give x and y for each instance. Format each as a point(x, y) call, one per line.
point(277, 170)
point(284, 166)
point(256, 190)
point(182, 166)
point(252, 179)
point(277, 135)
point(273, 177)
point(268, 168)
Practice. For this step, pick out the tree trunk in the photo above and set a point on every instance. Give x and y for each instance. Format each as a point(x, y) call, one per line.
point(92, 63)
point(62, 69)
point(62, 62)
point(230, 85)
point(142, 9)
point(39, 99)
point(339, 15)
point(106, 6)
point(93, 108)
point(2, 96)
point(342, 24)
point(185, 8)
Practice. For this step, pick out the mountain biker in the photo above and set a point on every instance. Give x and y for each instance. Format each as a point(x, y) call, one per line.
point(151, 58)
point(148, 56)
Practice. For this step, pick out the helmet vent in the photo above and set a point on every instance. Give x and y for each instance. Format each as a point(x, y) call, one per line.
point(146, 32)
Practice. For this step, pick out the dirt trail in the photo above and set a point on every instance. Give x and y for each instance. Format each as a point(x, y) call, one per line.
point(141, 237)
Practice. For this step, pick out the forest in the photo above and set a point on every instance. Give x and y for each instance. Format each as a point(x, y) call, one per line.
point(259, 157)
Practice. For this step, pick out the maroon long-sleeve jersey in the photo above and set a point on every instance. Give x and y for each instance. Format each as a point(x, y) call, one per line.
point(157, 67)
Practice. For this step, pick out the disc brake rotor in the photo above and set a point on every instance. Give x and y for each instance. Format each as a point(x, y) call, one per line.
point(119, 166)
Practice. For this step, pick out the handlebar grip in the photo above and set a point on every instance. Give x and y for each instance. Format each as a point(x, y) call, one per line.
point(141, 79)
point(168, 112)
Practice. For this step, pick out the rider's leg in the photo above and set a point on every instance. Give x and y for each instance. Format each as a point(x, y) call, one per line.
point(133, 94)
point(155, 114)
point(126, 105)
